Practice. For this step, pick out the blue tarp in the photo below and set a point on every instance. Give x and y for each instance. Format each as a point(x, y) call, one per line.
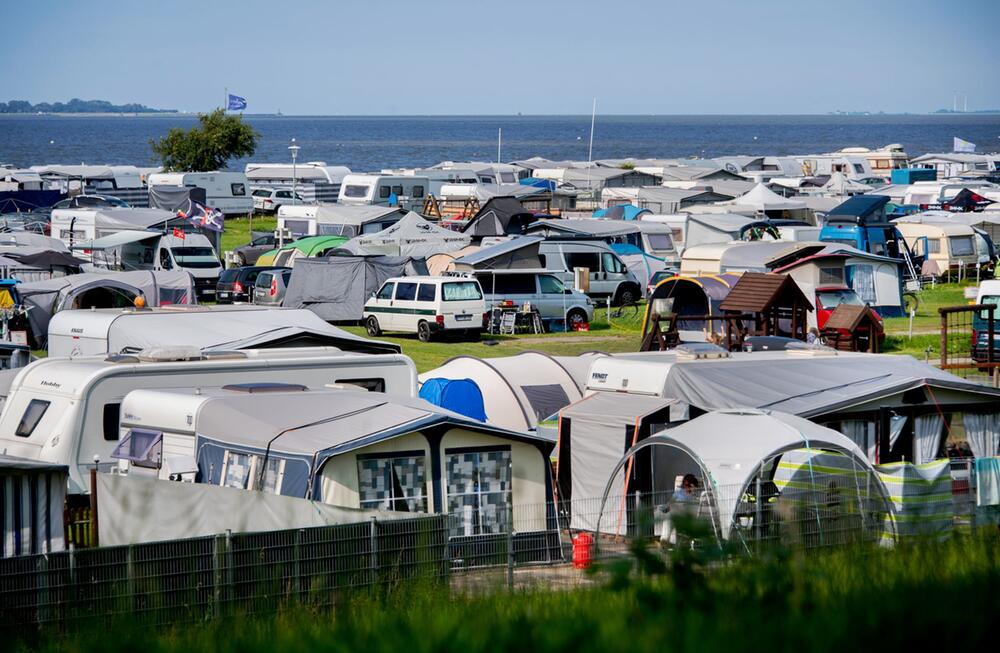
point(461, 396)
point(535, 182)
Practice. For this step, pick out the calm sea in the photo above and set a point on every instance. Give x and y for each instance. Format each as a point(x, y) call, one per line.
point(371, 143)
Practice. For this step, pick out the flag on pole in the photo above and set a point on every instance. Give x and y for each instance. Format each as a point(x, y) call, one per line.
point(237, 103)
point(178, 233)
point(202, 216)
point(963, 146)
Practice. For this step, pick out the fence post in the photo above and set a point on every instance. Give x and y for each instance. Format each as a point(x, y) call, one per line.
point(130, 576)
point(758, 514)
point(230, 592)
point(510, 542)
point(944, 337)
point(72, 573)
point(297, 557)
point(373, 549)
point(93, 504)
point(216, 575)
point(42, 598)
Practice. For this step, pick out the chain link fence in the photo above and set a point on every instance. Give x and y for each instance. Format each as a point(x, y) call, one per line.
point(558, 545)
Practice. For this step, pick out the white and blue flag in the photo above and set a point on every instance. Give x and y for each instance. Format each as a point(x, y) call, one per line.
point(237, 103)
point(963, 146)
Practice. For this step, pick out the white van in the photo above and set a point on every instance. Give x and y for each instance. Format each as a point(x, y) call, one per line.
point(150, 250)
point(409, 191)
point(224, 190)
point(427, 306)
point(543, 290)
point(67, 410)
point(609, 276)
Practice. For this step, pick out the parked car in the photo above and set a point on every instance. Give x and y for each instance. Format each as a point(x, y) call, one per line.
point(657, 277)
point(237, 284)
point(91, 202)
point(269, 290)
point(542, 289)
point(987, 293)
point(259, 244)
point(427, 306)
point(269, 200)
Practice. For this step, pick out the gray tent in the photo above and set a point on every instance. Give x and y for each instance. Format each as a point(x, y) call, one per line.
point(174, 198)
point(337, 287)
point(45, 298)
point(411, 236)
point(518, 253)
point(35, 263)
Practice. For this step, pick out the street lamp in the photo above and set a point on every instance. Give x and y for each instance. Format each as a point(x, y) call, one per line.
point(294, 149)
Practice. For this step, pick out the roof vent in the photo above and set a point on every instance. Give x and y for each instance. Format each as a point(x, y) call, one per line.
point(260, 388)
point(223, 355)
point(121, 358)
point(700, 351)
point(168, 354)
point(806, 349)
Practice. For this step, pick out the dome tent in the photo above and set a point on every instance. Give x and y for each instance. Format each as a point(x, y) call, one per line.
point(460, 396)
point(734, 452)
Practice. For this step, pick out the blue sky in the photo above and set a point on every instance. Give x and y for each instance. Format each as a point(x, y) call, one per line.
point(388, 57)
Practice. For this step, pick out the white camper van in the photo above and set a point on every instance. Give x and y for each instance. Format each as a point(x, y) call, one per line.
point(227, 191)
point(609, 276)
point(408, 190)
point(152, 250)
point(67, 410)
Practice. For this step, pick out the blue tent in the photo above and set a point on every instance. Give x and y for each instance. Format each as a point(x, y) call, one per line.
point(461, 396)
point(547, 184)
point(621, 212)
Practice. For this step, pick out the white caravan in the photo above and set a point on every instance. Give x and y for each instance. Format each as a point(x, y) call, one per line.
point(67, 410)
point(336, 219)
point(227, 191)
point(409, 190)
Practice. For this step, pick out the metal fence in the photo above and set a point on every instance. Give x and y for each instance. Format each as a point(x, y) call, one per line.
point(547, 545)
point(970, 342)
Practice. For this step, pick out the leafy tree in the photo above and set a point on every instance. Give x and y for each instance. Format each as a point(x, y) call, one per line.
point(218, 138)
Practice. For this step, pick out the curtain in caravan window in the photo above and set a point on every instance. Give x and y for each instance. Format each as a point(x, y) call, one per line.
point(864, 283)
point(983, 433)
point(862, 433)
point(927, 430)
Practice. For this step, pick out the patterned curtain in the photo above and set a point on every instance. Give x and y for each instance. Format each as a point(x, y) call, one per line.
point(479, 486)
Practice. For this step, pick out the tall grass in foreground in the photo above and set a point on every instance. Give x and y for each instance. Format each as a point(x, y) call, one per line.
point(944, 596)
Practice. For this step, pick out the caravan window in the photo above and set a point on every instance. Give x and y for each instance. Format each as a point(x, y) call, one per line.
point(353, 190)
point(418, 191)
point(831, 276)
point(384, 192)
point(238, 190)
point(660, 242)
point(858, 168)
point(111, 417)
point(32, 415)
point(508, 178)
point(406, 292)
point(274, 473)
point(962, 246)
point(397, 190)
point(396, 482)
point(933, 245)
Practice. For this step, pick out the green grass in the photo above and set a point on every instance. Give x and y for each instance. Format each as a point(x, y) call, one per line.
point(237, 230)
point(927, 317)
point(836, 601)
point(601, 337)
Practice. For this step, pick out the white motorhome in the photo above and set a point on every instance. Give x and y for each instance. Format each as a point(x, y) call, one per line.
point(337, 219)
point(609, 277)
point(67, 410)
point(409, 190)
point(226, 191)
point(152, 250)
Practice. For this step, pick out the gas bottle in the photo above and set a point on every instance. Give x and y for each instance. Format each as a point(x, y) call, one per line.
point(582, 545)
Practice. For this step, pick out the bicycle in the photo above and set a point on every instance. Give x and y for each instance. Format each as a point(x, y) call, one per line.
point(626, 315)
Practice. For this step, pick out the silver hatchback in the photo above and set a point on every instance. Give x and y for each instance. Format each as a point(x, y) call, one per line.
point(271, 286)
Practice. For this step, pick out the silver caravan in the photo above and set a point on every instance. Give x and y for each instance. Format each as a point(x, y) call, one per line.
point(67, 411)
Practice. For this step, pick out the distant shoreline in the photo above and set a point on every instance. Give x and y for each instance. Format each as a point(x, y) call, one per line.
point(195, 114)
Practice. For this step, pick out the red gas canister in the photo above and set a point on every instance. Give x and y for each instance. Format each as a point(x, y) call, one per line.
point(582, 545)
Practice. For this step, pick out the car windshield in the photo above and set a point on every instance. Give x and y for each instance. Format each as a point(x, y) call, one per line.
point(230, 275)
point(834, 298)
point(841, 241)
point(461, 291)
point(195, 257)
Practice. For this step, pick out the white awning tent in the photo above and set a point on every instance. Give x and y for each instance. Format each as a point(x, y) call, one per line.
point(760, 198)
point(519, 391)
point(411, 236)
point(728, 450)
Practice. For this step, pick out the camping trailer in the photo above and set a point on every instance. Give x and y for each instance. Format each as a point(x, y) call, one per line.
point(227, 327)
point(944, 247)
point(224, 190)
point(66, 410)
point(407, 190)
point(337, 220)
